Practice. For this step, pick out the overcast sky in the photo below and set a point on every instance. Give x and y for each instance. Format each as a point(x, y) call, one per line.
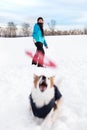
point(65, 12)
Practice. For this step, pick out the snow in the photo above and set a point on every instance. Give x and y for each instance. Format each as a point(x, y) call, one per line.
point(16, 79)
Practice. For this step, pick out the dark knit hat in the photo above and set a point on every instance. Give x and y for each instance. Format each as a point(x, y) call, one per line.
point(39, 18)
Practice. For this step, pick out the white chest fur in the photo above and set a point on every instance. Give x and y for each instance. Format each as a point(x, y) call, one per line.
point(42, 98)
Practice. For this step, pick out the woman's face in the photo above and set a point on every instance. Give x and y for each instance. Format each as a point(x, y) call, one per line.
point(40, 21)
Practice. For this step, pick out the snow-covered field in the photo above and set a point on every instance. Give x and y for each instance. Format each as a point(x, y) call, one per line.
point(16, 77)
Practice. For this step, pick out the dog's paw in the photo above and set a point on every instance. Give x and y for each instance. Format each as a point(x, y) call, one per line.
point(38, 127)
point(47, 125)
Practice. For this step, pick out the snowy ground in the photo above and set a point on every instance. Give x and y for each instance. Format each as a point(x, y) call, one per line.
point(16, 75)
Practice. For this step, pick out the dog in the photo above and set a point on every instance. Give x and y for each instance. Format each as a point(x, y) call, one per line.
point(44, 98)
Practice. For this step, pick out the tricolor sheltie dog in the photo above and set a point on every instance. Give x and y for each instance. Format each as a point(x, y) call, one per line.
point(44, 98)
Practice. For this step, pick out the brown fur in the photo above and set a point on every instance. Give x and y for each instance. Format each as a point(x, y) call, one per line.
point(51, 81)
point(36, 78)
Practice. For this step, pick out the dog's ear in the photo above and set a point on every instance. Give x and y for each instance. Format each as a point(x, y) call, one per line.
point(52, 81)
point(36, 77)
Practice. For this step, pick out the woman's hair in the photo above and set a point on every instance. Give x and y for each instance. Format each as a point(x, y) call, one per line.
point(39, 18)
point(40, 25)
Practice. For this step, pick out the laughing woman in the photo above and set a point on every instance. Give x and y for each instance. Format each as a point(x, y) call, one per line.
point(39, 41)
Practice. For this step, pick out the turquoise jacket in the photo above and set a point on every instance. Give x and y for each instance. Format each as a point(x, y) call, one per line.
point(37, 35)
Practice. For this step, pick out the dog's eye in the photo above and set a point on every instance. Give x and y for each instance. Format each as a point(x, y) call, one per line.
point(39, 77)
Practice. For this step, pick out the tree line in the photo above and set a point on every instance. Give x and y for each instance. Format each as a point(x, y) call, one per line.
point(11, 30)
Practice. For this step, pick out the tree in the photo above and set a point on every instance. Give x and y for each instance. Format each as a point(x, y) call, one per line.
point(85, 30)
point(52, 25)
point(26, 29)
point(11, 29)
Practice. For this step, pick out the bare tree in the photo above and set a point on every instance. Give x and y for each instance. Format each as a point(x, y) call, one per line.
point(26, 29)
point(2, 32)
point(85, 30)
point(11, 29)
point(52, 25)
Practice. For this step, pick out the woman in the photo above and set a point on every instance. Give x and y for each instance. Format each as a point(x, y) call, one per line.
point(39, 40)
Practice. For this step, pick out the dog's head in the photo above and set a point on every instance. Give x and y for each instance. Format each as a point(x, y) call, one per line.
point(43, 82)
